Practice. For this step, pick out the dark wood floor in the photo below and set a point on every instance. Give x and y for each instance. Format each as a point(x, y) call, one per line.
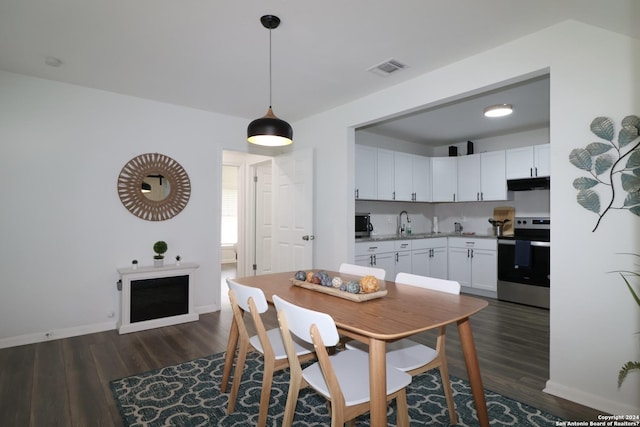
point(66, 382)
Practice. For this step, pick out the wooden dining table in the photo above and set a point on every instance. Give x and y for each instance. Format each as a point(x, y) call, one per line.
point(404, 311)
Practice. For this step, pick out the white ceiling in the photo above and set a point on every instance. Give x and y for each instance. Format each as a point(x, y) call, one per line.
point(464, 119)
point(213, 55)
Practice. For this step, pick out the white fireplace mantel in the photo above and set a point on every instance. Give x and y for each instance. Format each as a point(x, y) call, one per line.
point(129, 274)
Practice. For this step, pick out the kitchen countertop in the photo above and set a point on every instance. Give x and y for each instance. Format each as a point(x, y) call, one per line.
point(383, 237)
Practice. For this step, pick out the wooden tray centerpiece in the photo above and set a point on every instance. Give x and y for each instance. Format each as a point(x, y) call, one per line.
point(370, 283)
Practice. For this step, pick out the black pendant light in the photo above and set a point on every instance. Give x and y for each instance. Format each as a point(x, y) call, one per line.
point(270, 130)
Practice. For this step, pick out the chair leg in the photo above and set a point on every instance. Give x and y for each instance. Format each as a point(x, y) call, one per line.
point(292, 401)
point(237, 375)
point(448, 393)
point(265, 393)
point(228, 359)
point(402, 409)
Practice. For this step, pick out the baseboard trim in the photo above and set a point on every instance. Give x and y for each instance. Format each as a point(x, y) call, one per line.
point(56, 334)
point(202, 309)
point(589, 399)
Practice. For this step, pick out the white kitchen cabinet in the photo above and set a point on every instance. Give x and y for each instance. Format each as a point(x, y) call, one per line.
point(381, 254)
point(429, 257)
point(542, 159)
point(444, 179)
point(366, 172)
point(393, 256)
point(421, 170)
point(482, 177)
point(493, 180)
point(412, 177)
point(402, 258)
point(527, 162)
point(385, 175)
point(469, 178)
point(473, 263)
point(403, 176)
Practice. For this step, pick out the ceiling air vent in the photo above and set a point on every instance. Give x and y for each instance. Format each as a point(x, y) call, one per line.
point(387, 67)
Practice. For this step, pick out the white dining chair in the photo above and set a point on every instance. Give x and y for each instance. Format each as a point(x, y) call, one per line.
point(268, 342)
point(415, 358)
point(361, 270)
point(342, 378)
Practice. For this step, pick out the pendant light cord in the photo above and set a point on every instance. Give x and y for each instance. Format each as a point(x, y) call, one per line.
point(270, 78)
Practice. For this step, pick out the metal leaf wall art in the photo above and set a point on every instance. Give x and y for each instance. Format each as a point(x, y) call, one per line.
point(605, 162)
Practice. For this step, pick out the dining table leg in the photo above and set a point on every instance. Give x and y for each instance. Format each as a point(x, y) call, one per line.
point(473, 370)
point(232, 344)
point(378, 382)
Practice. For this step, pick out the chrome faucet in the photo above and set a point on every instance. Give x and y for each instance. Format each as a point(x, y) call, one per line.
point(400, 225)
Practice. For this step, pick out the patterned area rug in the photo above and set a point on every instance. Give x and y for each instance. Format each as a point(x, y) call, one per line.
point(189, 395)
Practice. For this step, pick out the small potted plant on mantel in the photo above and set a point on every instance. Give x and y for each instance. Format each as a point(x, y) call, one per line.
point(159, 247)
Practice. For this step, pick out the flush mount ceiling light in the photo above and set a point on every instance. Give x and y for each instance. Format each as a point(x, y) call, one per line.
point(499, 110)
point(270, 130)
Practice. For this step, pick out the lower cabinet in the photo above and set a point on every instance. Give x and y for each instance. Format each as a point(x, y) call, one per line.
point(393, 256)
point(473, 263)
point(377, 254)
point(429, 257)
point(470, 261)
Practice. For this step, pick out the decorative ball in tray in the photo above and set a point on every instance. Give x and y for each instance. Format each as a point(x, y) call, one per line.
point(364, 289)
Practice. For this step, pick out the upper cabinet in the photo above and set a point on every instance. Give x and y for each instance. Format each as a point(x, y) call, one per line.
point(481, 177)
point(386, 179)
point(366, 173)
point(444, 173)
point(469, 170)
point(493, 182)
point(527, 162)
point(421, 172)
point(403, 176)
point(388, 175)
point(412, 175)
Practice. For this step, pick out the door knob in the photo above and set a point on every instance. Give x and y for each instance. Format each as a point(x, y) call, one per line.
point(308, 237)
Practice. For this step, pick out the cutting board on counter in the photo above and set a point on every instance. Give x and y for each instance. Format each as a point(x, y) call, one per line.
point(500, 213)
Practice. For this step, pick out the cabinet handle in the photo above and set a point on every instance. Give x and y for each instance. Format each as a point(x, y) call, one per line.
point(471, 253)
point(481, 195)
point(454, 197)
point(357, 193)
point(530, 171)
point(477, 196)
point(536, 169)
point(373, 262)
point(393, 195)
point(397, 257)
point(468, 253)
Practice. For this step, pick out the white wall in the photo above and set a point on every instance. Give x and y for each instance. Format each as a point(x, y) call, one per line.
point(63, 229)
point(594, 322)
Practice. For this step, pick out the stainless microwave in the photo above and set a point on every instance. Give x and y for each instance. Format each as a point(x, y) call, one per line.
point(363, 225)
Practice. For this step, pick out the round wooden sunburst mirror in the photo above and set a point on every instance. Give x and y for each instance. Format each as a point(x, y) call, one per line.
point(154, 187)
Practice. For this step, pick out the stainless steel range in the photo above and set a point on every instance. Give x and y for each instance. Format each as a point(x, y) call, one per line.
point(523, 262)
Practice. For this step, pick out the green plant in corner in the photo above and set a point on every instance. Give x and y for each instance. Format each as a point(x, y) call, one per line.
point(602, 165)
point(631, 365)
point(159, 247)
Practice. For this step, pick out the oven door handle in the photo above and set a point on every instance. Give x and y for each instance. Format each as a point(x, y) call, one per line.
point(513, 243)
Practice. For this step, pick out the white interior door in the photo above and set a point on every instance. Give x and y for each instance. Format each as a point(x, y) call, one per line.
point(293, 211)
point(263, 218)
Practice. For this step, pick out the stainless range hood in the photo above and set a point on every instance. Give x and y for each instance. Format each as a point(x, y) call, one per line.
point(526, 184)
